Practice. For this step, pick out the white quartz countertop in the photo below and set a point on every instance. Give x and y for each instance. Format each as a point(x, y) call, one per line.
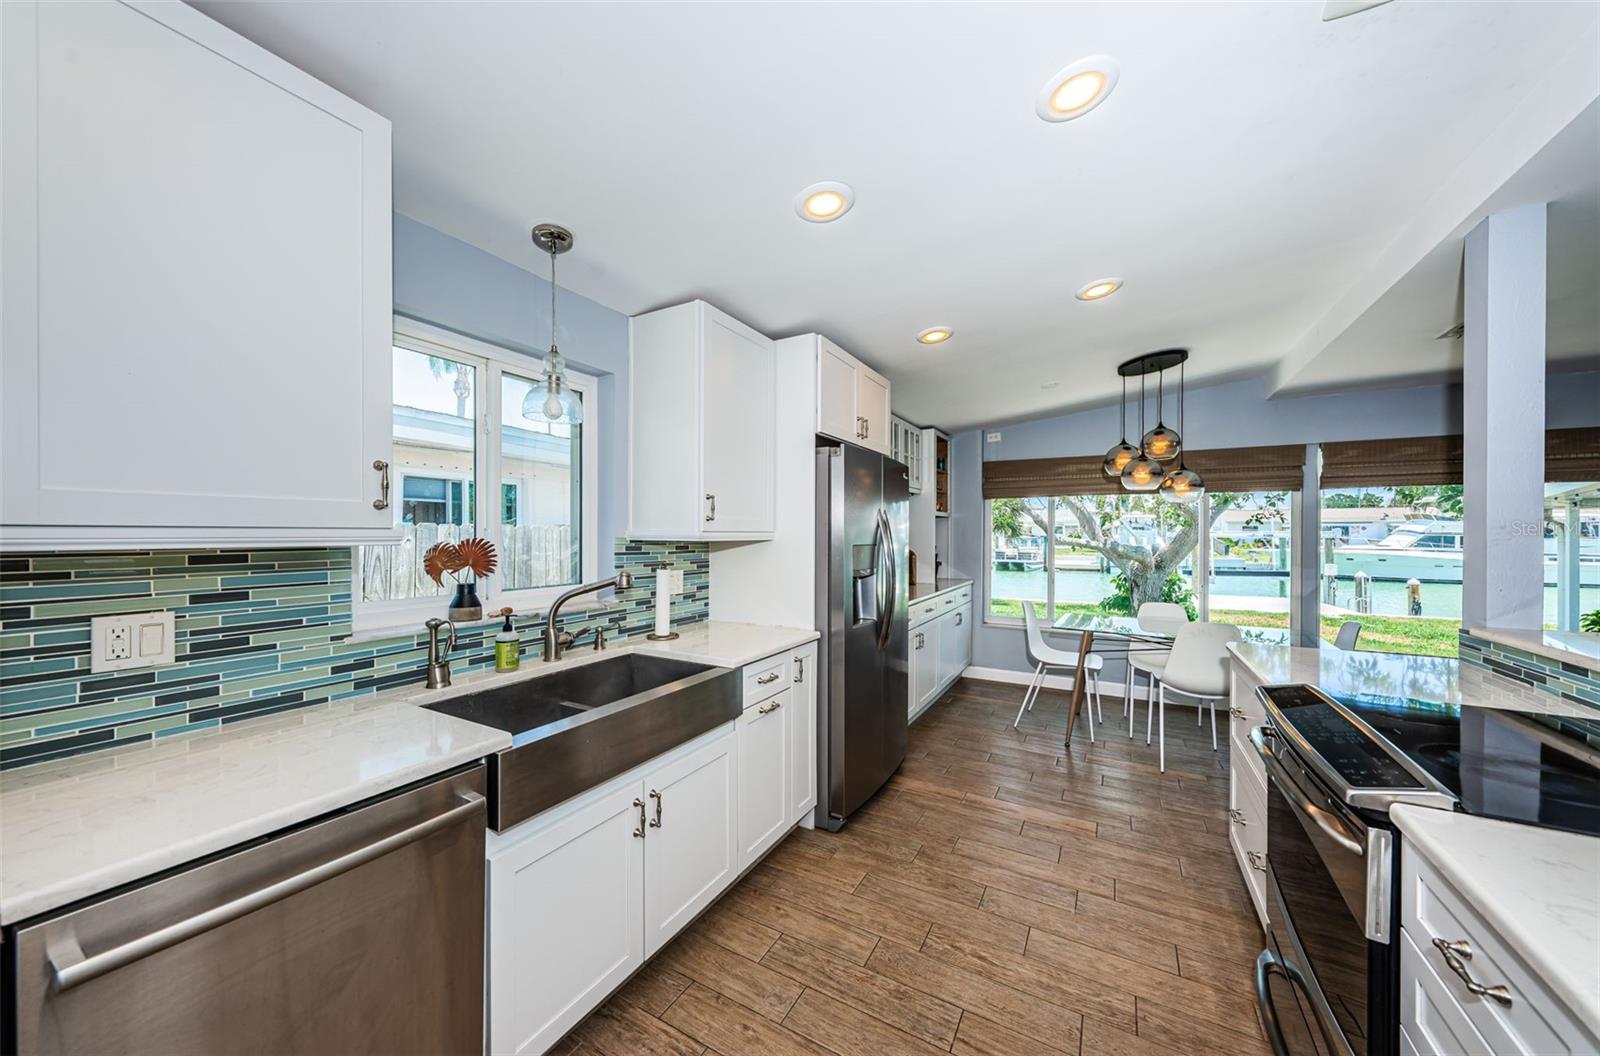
point(1436, 679)
point(1572, 647)
point(76, 827)
point(1538, 888)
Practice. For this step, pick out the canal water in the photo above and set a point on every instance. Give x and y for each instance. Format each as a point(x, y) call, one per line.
point(1388, 599)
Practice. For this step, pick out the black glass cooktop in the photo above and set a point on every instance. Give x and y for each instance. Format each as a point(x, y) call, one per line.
point(1538, 769)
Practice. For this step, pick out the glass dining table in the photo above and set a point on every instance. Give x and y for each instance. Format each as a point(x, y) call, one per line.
point(1135, 635)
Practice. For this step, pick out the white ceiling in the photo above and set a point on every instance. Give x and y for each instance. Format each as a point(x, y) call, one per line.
point(1250, 161)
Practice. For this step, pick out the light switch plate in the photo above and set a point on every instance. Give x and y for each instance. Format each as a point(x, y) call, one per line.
point(128, 640)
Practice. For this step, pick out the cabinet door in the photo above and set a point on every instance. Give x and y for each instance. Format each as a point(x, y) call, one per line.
point(691, 850)
point(802, 734)
point(872, 404)
point(963, 654)
point(925, 667)
point(913, 442)
point(198, 314)
point(738, 434)
point(836, 393)
point(566, 920)
point(763, 775)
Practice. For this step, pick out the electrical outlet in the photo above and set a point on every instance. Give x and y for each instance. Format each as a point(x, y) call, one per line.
point(129, 640)
point(992, 438)
point(119, 642)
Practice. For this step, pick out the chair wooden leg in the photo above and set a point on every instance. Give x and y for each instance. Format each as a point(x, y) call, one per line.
point(1213, 725)
point(1027, 696)
point(1163, 737)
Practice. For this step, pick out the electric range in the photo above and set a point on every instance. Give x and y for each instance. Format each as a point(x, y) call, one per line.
point(1335, 764)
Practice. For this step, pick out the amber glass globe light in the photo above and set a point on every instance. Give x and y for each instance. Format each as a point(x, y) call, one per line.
point(1118, 457)
point(1182, 486)
point(1162, 443)
point(1143, 473)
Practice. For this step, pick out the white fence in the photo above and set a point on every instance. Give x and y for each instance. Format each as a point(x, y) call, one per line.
point(531, 555)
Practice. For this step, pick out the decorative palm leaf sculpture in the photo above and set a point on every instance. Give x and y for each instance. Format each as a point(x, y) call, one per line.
point(476, 556)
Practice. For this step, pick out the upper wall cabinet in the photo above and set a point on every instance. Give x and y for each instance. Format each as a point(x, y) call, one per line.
point(852, 399)
point(701, 436)
point(197, 305)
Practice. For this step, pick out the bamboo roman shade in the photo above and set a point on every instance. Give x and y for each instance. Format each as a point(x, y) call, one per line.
point(1570, 455)
point(1279, 467)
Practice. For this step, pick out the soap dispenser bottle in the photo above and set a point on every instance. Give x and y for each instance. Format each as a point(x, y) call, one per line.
point(507, 646)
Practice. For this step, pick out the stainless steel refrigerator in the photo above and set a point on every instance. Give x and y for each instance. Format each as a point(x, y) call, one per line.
point(863, 515)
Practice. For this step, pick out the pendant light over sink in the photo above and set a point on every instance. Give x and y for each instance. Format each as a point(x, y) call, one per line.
point(1145, 469)
point(551, 397)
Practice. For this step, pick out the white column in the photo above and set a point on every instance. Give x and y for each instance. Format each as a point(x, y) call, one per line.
point(1307, 560)
point(1503, 421)
point(1569, 574)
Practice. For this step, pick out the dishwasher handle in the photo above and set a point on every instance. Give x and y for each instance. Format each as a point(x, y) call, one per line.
point(83, 969)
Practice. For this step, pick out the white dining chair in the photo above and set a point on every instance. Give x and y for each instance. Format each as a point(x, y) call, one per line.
point(1349, 630)
point(1149, 659)
point(1197, 667)
point(1047, 658)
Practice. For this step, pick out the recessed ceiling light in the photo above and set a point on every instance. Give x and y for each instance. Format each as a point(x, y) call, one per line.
point(1077, 89)
point(935, 335)
point(825, 201)
point(1098, 289)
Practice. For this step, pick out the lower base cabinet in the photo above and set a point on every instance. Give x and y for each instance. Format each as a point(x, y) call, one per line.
point(579, 902)
point(764, 786)
point(940, 648)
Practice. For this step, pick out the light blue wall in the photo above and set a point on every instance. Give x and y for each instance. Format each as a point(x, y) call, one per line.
point(1234, 414)
point(448, 283)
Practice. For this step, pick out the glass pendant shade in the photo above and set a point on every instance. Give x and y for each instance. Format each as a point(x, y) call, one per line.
point(1118, 458)
point(550, 397)
point(1182, 486)
point(1142, 474)
point(1162, 443)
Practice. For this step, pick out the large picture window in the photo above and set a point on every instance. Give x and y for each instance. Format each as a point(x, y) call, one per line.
point(458, 420)
point(1228, 557)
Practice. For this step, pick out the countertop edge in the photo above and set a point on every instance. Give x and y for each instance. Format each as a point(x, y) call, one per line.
point(1417, 824)
point(131, 870)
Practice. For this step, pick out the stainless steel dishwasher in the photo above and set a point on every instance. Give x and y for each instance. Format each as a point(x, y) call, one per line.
point(358, 933)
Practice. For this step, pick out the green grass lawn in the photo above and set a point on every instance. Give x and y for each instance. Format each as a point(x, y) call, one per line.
point(1419, 635)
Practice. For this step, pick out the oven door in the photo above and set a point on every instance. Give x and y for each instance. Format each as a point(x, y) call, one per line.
point(1328, 909)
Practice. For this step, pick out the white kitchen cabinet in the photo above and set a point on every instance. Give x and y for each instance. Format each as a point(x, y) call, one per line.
point(690, 846)
point(852, 398)
point(764, 761)
point(1247, 786)
point(905, 445)
point(940, 644)
point(702, 440)
point(197, 305)
point(925, 652)
point(955, 643)
point(802, 722)
point(566, 918)
point(583, 894)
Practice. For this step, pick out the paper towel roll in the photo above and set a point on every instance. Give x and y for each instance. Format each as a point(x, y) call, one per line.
point(663, 602)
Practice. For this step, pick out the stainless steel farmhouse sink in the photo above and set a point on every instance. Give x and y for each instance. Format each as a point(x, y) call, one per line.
point(580, 725)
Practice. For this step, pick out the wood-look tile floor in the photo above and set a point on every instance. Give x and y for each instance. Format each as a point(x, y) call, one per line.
point(1001, 895)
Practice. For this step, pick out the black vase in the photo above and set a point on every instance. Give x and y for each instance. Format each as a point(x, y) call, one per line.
point(466, 605)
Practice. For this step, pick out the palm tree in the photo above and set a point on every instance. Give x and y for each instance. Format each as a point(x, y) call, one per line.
point(438, 366)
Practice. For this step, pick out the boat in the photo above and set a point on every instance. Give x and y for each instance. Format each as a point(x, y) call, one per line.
point(1431, 552)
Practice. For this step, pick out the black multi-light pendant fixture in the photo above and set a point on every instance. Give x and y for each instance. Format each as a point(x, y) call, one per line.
point(1156, 465)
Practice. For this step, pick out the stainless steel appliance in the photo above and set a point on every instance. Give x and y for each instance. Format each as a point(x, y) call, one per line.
point(361, 933)
point(863, 513)
point(1330, 980)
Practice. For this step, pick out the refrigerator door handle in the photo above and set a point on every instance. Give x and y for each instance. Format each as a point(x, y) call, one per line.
point(886, 554)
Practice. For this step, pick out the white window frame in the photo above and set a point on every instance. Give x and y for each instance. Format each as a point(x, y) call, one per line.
point(1201, 567)
point(491, 362)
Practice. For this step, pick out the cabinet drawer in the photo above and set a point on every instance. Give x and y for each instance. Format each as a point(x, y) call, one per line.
point(1429, 1014)
point(1534, 1021)
point(925, 610)
point(766, 678)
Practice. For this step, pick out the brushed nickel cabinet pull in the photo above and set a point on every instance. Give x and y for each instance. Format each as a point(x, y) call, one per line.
point(1237, 817)
point(1456, 955)
point(639, 832)
point(767, 680)
point(657, 797)
point(1257, 860)
point(382, 502)
point(1237, 713)
point(711, 512)
point(799, 669)
point(768, 709)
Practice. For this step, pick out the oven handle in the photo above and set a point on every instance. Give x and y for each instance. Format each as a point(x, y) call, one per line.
point(1325, 821)
point(1267, 964)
